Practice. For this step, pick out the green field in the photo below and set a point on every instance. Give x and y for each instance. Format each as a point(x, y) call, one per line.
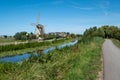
point(78, 62)
point(12, 49)
point(4, 40)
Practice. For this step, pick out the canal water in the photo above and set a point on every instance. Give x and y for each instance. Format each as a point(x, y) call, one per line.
point(23, 56)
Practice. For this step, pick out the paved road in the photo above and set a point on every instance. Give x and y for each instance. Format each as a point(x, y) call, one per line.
point(111, 61)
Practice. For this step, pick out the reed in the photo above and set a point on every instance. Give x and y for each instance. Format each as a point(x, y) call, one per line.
point(78, 62)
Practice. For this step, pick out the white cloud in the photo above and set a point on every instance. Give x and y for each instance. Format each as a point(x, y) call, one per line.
point(103, 6)
point(117, 15)
point(82, 8)
point(57, 2)
point(74, 3)
point(77, 5)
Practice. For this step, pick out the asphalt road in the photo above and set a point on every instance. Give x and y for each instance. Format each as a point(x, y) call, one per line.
point(111, 61)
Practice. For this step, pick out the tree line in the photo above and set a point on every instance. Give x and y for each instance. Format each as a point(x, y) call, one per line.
point(24, 36)
point(105, 31)
point(29, 36)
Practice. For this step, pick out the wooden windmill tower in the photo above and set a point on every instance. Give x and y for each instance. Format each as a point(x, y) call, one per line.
point(39, 29)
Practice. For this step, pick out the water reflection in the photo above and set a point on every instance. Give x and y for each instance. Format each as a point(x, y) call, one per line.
point(21, 57)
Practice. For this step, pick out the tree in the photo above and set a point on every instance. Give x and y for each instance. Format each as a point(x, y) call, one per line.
point(72, 35)
point(20, 35)
point(17, 36)
point(31, 36)
point(105, 31)
point(5, 36)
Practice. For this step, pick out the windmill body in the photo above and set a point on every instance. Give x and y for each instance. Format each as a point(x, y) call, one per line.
point(39, 29)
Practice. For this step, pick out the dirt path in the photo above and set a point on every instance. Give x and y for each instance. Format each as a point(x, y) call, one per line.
point(111, 58)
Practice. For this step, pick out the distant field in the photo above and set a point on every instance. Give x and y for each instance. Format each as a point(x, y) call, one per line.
point(4, 40)
point(7, 41)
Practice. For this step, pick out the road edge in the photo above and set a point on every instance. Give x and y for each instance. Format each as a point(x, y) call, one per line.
point(101, 73)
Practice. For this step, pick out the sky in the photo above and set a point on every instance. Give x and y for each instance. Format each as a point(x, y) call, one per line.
point(73, 16)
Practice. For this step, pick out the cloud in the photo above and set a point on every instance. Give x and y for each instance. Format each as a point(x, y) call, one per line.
point(57, 2)
point(104, 6)
point(77, 5)
point(82, 8)
point(74, 3)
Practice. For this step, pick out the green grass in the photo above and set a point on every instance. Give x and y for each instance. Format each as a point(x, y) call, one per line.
point(39, 47)
point(116, 42)
point(79, 62)
point(86, 65)
point(14, 52)
point(12, 47)
point(4, 40)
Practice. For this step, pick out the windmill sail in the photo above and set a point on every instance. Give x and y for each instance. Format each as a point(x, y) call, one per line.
point(39, 30)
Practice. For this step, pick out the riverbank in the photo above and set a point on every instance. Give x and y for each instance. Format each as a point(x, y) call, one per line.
point(116, 42)
point(39, 47)
point(79, 62)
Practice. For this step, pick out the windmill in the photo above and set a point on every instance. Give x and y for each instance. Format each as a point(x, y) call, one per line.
point(39, 28)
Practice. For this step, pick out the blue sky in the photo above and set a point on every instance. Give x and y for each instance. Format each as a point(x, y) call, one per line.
point(57, 15)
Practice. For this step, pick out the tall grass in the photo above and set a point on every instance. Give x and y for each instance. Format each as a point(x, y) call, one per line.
point(116, 42)
point(11, 47)
point(86, 65)
point(23, 48)
point(78, 62)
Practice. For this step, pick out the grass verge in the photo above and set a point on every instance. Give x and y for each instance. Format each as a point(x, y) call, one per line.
point(78, 62)
point(39, 47)
point(116, 42)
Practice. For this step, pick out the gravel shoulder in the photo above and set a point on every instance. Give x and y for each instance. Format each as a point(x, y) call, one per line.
point(111, 61)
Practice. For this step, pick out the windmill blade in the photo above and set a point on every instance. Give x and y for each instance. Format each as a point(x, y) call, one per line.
point(43, 31)
point(45, 25)
point(44, 28)
point(35, 32)
point(33, 24)
point(38, 18)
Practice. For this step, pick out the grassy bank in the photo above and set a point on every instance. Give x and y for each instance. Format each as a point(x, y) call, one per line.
point(79, 62)
point(12, 47)
point(116, 42)
point(30, 47)
point(4, 40)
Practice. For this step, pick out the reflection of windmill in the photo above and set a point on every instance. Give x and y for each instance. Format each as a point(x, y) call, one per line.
point(39, 30)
